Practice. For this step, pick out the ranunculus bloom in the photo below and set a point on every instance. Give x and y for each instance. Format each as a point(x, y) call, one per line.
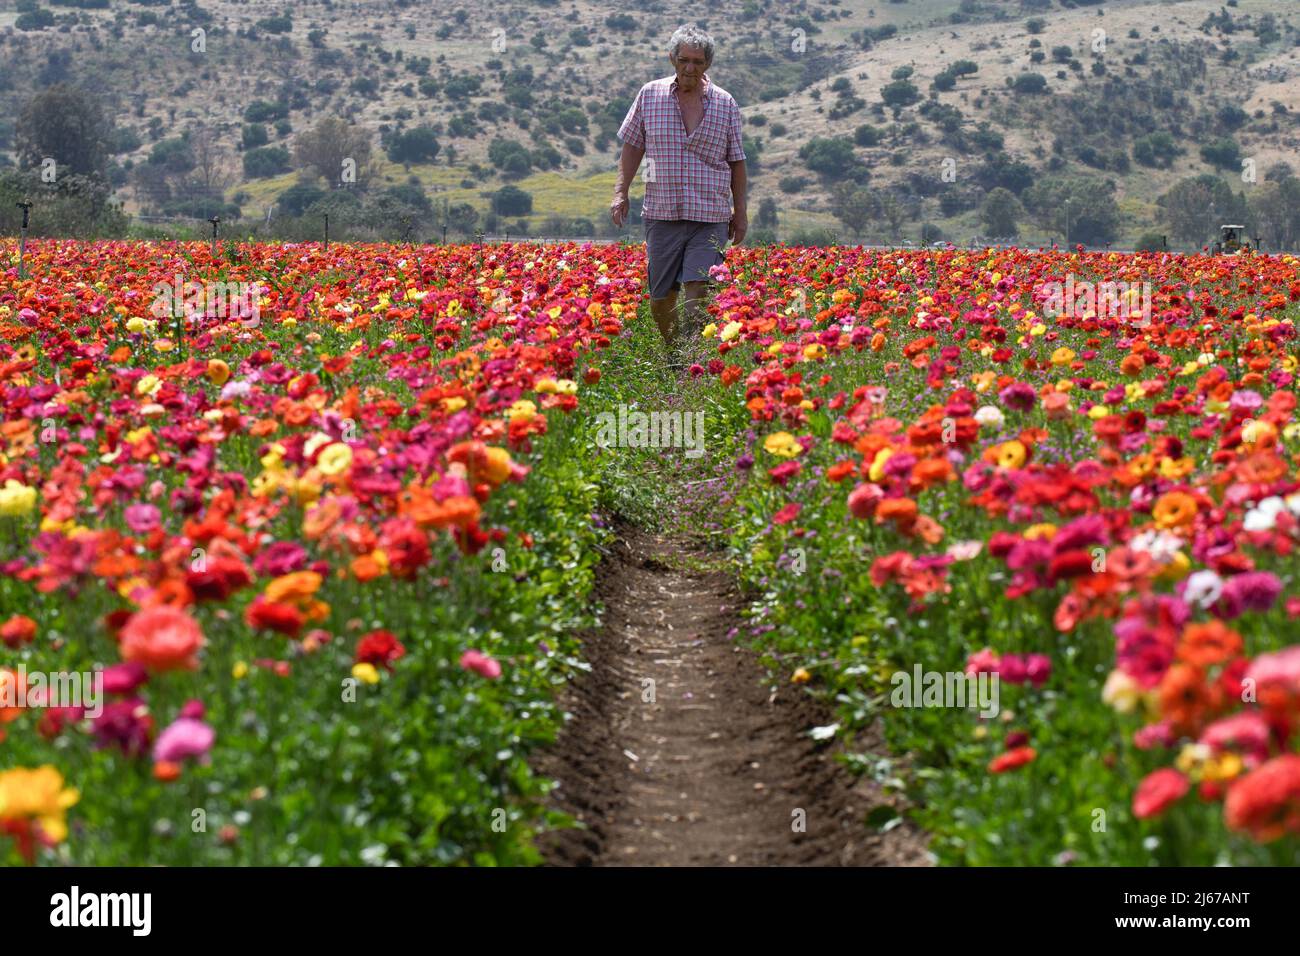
point(19, 629)
point(481, 664)
point(1157, 791)
point(162, 638)
point(1266, 802)
point(1012, 759)
point(380, 648)
point(184, 738)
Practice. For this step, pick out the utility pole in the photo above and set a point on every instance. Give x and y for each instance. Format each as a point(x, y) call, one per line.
point(26, 207)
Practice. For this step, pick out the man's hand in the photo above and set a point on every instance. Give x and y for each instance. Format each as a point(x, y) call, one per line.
point(618, 209)
point(738, 226)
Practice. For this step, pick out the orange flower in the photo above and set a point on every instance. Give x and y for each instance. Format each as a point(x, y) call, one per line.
point(1174, 509)
point(1204, 645)
point(1185, 699)
point(19, 629)
point(296, 587)
point(1132, 365)
point(162, 638)
point(901, 511)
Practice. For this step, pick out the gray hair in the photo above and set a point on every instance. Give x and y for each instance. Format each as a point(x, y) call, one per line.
point(691, 35)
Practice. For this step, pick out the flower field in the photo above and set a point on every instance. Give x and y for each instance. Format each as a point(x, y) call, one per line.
point(329, 552)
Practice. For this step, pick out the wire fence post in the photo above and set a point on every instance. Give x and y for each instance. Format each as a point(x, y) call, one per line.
point(214, 220)
point(327, 232)
point(26, 207)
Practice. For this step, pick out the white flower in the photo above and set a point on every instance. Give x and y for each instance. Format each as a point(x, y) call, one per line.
point(1161, 545)
point(991, 416)
point(824, 733)
point(1203, 588)
point(1264, 515)
point(235, 389)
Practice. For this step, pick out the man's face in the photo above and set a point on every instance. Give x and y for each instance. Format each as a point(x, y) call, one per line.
point(690, 65)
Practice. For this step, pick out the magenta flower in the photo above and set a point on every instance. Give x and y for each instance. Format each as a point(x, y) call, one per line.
point(185, 737)
point(143, 518)
point(480, 664)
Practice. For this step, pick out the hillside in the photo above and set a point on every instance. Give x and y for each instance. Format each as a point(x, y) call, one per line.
point(557, 78)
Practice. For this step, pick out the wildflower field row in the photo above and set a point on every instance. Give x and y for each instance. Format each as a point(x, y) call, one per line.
point(326, 543)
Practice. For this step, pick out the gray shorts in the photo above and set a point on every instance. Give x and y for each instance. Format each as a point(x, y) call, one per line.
point(681, 250)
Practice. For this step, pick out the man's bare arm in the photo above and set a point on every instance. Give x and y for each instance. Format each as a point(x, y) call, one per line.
point(739, 186)
point(627, 167)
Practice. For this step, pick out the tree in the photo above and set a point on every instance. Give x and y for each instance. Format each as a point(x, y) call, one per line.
point(326, 146)
point(1276, 208)
point(66, 124)
point(266, 161)
point(833, 158)
point(999, 213)
point(1030, 84)
point(1222, 153)
point(893, 212)
point(1086, 206)
point(899, 94)
point(512, 201)
point(1196, 206)
point(418, 145)
point(854, 206)
point(1156, 150)
point(766, 213)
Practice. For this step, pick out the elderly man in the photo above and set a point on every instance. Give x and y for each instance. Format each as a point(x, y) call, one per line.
point(689, 129)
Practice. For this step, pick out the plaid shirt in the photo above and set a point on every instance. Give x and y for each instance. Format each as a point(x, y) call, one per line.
point(686, 177)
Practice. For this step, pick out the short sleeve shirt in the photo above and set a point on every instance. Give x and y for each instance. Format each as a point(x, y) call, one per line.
point(686, 177)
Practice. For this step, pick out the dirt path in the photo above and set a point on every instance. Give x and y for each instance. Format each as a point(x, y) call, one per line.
point(716, 769)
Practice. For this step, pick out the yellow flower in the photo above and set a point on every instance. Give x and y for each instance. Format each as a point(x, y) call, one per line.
point(218, 372)
point(1045, 530)
point(522, 411)
point(1177, 568)
point(148, 385)
point(37, 794)
point(366, 673)
point(801, 676)
point(566, 386)
point(814, 351)
point(877, 470)
point(1098, 411)
point(135, 324)
point(782, 444)
point(1011, 454)
point(239, 671)
point(546, 386)
point(730, 331)
point(710, 330)
point(1122, 692)
point(1063, 356)
point(334, 459)
point(16, 499)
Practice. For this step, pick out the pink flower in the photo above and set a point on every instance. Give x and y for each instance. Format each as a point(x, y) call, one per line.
point(142, 518)
point(982, 662)
point(124, 678)
point(1038, 668)
point(481, 664)
point(1012, 669)
point(185, 737)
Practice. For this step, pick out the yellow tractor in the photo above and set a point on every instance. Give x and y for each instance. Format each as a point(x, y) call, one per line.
point(1231, 241)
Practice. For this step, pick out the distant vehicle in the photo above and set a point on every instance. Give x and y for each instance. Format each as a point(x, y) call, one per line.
point(941, 244)
point(1231, 241)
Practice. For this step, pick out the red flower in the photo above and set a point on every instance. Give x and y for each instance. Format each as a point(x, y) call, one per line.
point(1157, 791)
point(1012, 759)
point(379, 648)
point(1266, 802)
point(268, 615)
point(19, 629)
point(787, 514)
